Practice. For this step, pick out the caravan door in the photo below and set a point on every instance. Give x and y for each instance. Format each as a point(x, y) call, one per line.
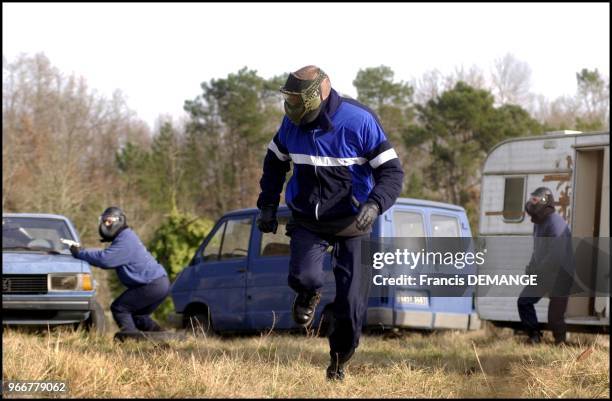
point(591, 222)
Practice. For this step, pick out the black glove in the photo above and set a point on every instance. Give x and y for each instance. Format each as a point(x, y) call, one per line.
point(367, 214)
point(74, 250)
point(266, 221)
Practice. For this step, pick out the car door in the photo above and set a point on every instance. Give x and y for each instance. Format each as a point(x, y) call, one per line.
point(220, 272)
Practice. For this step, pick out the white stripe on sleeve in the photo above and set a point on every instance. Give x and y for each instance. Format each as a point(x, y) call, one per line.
point(281, 156)
point(383, 158)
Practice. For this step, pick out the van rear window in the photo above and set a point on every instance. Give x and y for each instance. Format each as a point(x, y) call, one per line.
point(408, 224)
point(514, 198)
point(444, 226)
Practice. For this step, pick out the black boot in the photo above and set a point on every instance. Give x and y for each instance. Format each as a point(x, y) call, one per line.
point(560, 339)
point(304, 307)
point(335, 370)
point(124, 335)
point(154, 327)
point(534, 338)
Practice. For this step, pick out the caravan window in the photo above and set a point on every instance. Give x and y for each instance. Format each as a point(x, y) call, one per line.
point(514, 199)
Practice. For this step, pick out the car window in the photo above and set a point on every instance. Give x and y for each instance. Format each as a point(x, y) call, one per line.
point(408, 224)
point(275, 244)
point(34, 233)
point(212, 250)
point(444, 226)
point(236, 239)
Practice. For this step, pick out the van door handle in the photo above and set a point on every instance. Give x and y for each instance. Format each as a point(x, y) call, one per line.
point(241, 270)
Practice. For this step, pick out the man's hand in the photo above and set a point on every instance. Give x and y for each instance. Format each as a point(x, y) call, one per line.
point(69, 242)
point(367, 214)
point(74, 249)
point(266, 221)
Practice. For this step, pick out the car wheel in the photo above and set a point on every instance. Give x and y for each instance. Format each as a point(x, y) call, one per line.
point(198, 323)
point(96, 323)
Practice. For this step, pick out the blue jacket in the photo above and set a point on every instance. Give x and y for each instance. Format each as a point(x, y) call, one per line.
point(135, 265)
point(341, 160)
point(553, 253)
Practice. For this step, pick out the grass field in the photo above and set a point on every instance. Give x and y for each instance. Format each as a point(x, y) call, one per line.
point(445, 364)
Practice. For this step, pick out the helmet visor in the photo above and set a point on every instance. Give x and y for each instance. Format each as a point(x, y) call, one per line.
point(535, 199)
point(293, 99)
point(108, 220)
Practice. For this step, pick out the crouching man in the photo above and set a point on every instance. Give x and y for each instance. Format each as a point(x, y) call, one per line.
point(146, 280)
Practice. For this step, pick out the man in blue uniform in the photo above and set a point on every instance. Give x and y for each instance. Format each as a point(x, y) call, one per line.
point(146, 280)
point(345, 174)
point(553, 262)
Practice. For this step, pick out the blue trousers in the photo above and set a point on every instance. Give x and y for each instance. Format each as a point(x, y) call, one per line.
point(556, 311)
point(352, 281)
point(132, 309)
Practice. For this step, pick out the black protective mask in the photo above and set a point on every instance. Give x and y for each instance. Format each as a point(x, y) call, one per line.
point(104, 234)
point(110, 232)
point(538, 211)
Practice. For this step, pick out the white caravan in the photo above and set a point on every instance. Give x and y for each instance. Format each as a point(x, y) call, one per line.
point(576, 167)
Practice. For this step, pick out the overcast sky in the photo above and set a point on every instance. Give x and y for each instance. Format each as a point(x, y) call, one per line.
point(158, 54)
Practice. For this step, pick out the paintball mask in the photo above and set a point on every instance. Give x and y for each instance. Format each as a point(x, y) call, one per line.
point(541, 203)
point(303, 98)
point(111, 222)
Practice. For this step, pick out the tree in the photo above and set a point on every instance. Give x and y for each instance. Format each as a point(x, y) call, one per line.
point(59, 142)
point(428, 86)
point(59, 145)
point(511, 80)
point(459, 127)
point(587, 110)
point(392, 102)
point(173, 245)
point(175, 241)
point(473, 76)
point(375, 88)
point(594, 98)
point(167, 166)
point(230, 124)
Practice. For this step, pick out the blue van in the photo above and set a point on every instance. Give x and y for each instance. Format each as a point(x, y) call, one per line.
point(237, 280)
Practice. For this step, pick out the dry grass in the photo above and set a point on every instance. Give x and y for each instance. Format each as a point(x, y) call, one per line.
point(445, 365)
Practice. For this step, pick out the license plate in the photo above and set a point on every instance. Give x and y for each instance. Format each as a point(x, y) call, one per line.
point(412, 300)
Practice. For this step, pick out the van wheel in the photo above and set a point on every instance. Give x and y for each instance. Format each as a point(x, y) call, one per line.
point(326, 323)
point(198, 323)
point(96, 323)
